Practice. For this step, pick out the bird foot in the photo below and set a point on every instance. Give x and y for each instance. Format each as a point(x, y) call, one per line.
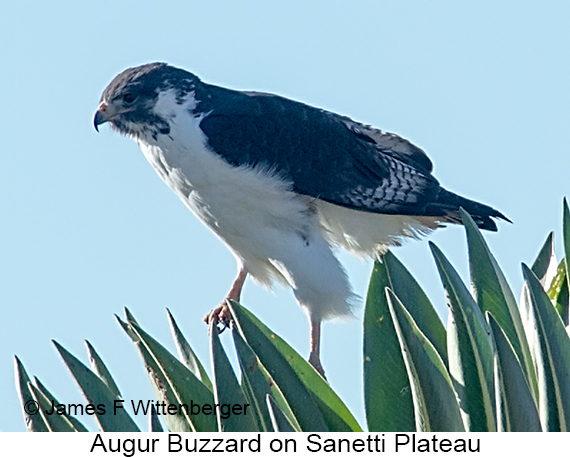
point(219, 315)
point(316, 364)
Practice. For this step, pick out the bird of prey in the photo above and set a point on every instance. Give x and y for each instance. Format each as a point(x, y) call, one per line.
point(282, 183)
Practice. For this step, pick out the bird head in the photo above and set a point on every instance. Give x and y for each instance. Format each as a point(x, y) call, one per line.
point(132, 105)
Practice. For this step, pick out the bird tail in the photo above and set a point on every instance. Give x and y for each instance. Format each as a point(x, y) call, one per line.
point(447, 204)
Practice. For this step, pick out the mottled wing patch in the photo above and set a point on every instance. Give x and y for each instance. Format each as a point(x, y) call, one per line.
point(391, 144)
point(405, 191)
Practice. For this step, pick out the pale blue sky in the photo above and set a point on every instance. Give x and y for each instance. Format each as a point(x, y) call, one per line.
point(87, 226)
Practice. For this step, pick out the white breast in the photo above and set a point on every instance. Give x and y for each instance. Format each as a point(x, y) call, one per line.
point(244, 206)
point(271, 231)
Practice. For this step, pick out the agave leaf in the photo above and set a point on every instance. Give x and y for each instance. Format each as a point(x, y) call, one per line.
point(315, 405)
point(260, 414)
point(56, 422)
point(279, 420)
point(566, 238)
point(516, 410)
point(558, 292)
point(227, 391)
point(174, 423)
point(100, 369)
point(493, 294)
point(174, 384)
point(435, 403)
point(186, 354)
point(544, 267)
point(280, 367)
point(34, 421)
point(562, 298)
point(406, 288)
point(96, 392)
point(545, 262)
point(470, 351)
point(129, 316)
point(77, 426)
point(387, 393)
point(553, 358)
point(154, 422)
point(257, 382)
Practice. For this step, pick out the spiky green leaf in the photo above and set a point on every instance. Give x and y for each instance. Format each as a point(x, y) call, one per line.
point(154, 424)
point(545, 261)
point(101, 370)
point(558, 293)
point(227, 391)
point(387, 393)
point(516, 409)
point(470, 350)
point(186, 354)
point(552, 358)
point(493, 294)
point(315, 405)
point(34, 421)
point(259, 384)
point(566, 239)
point(279, 420)
point(75, 424)
point(407, 289)
point(435, 402)
point(173, 383)
point(57, 421)
point(96, 392)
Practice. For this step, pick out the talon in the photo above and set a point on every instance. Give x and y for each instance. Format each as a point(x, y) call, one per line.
point(219, 315)
point(316, 364)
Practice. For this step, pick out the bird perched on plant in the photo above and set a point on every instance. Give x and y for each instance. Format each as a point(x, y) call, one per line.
point(282, 183)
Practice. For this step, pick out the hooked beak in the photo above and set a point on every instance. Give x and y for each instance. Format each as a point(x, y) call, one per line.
point(100, 115)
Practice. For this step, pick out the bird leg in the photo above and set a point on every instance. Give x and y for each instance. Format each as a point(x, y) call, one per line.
point(315, 356)
point(220, 313)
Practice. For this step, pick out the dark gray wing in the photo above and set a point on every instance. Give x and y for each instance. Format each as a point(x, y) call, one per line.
point(325, 155)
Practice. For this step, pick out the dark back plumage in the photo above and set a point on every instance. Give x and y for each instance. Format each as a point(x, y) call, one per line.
point(323, 155)
point(331, 157)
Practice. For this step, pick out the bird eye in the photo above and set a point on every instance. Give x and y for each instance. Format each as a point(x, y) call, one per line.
point(129, 98)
